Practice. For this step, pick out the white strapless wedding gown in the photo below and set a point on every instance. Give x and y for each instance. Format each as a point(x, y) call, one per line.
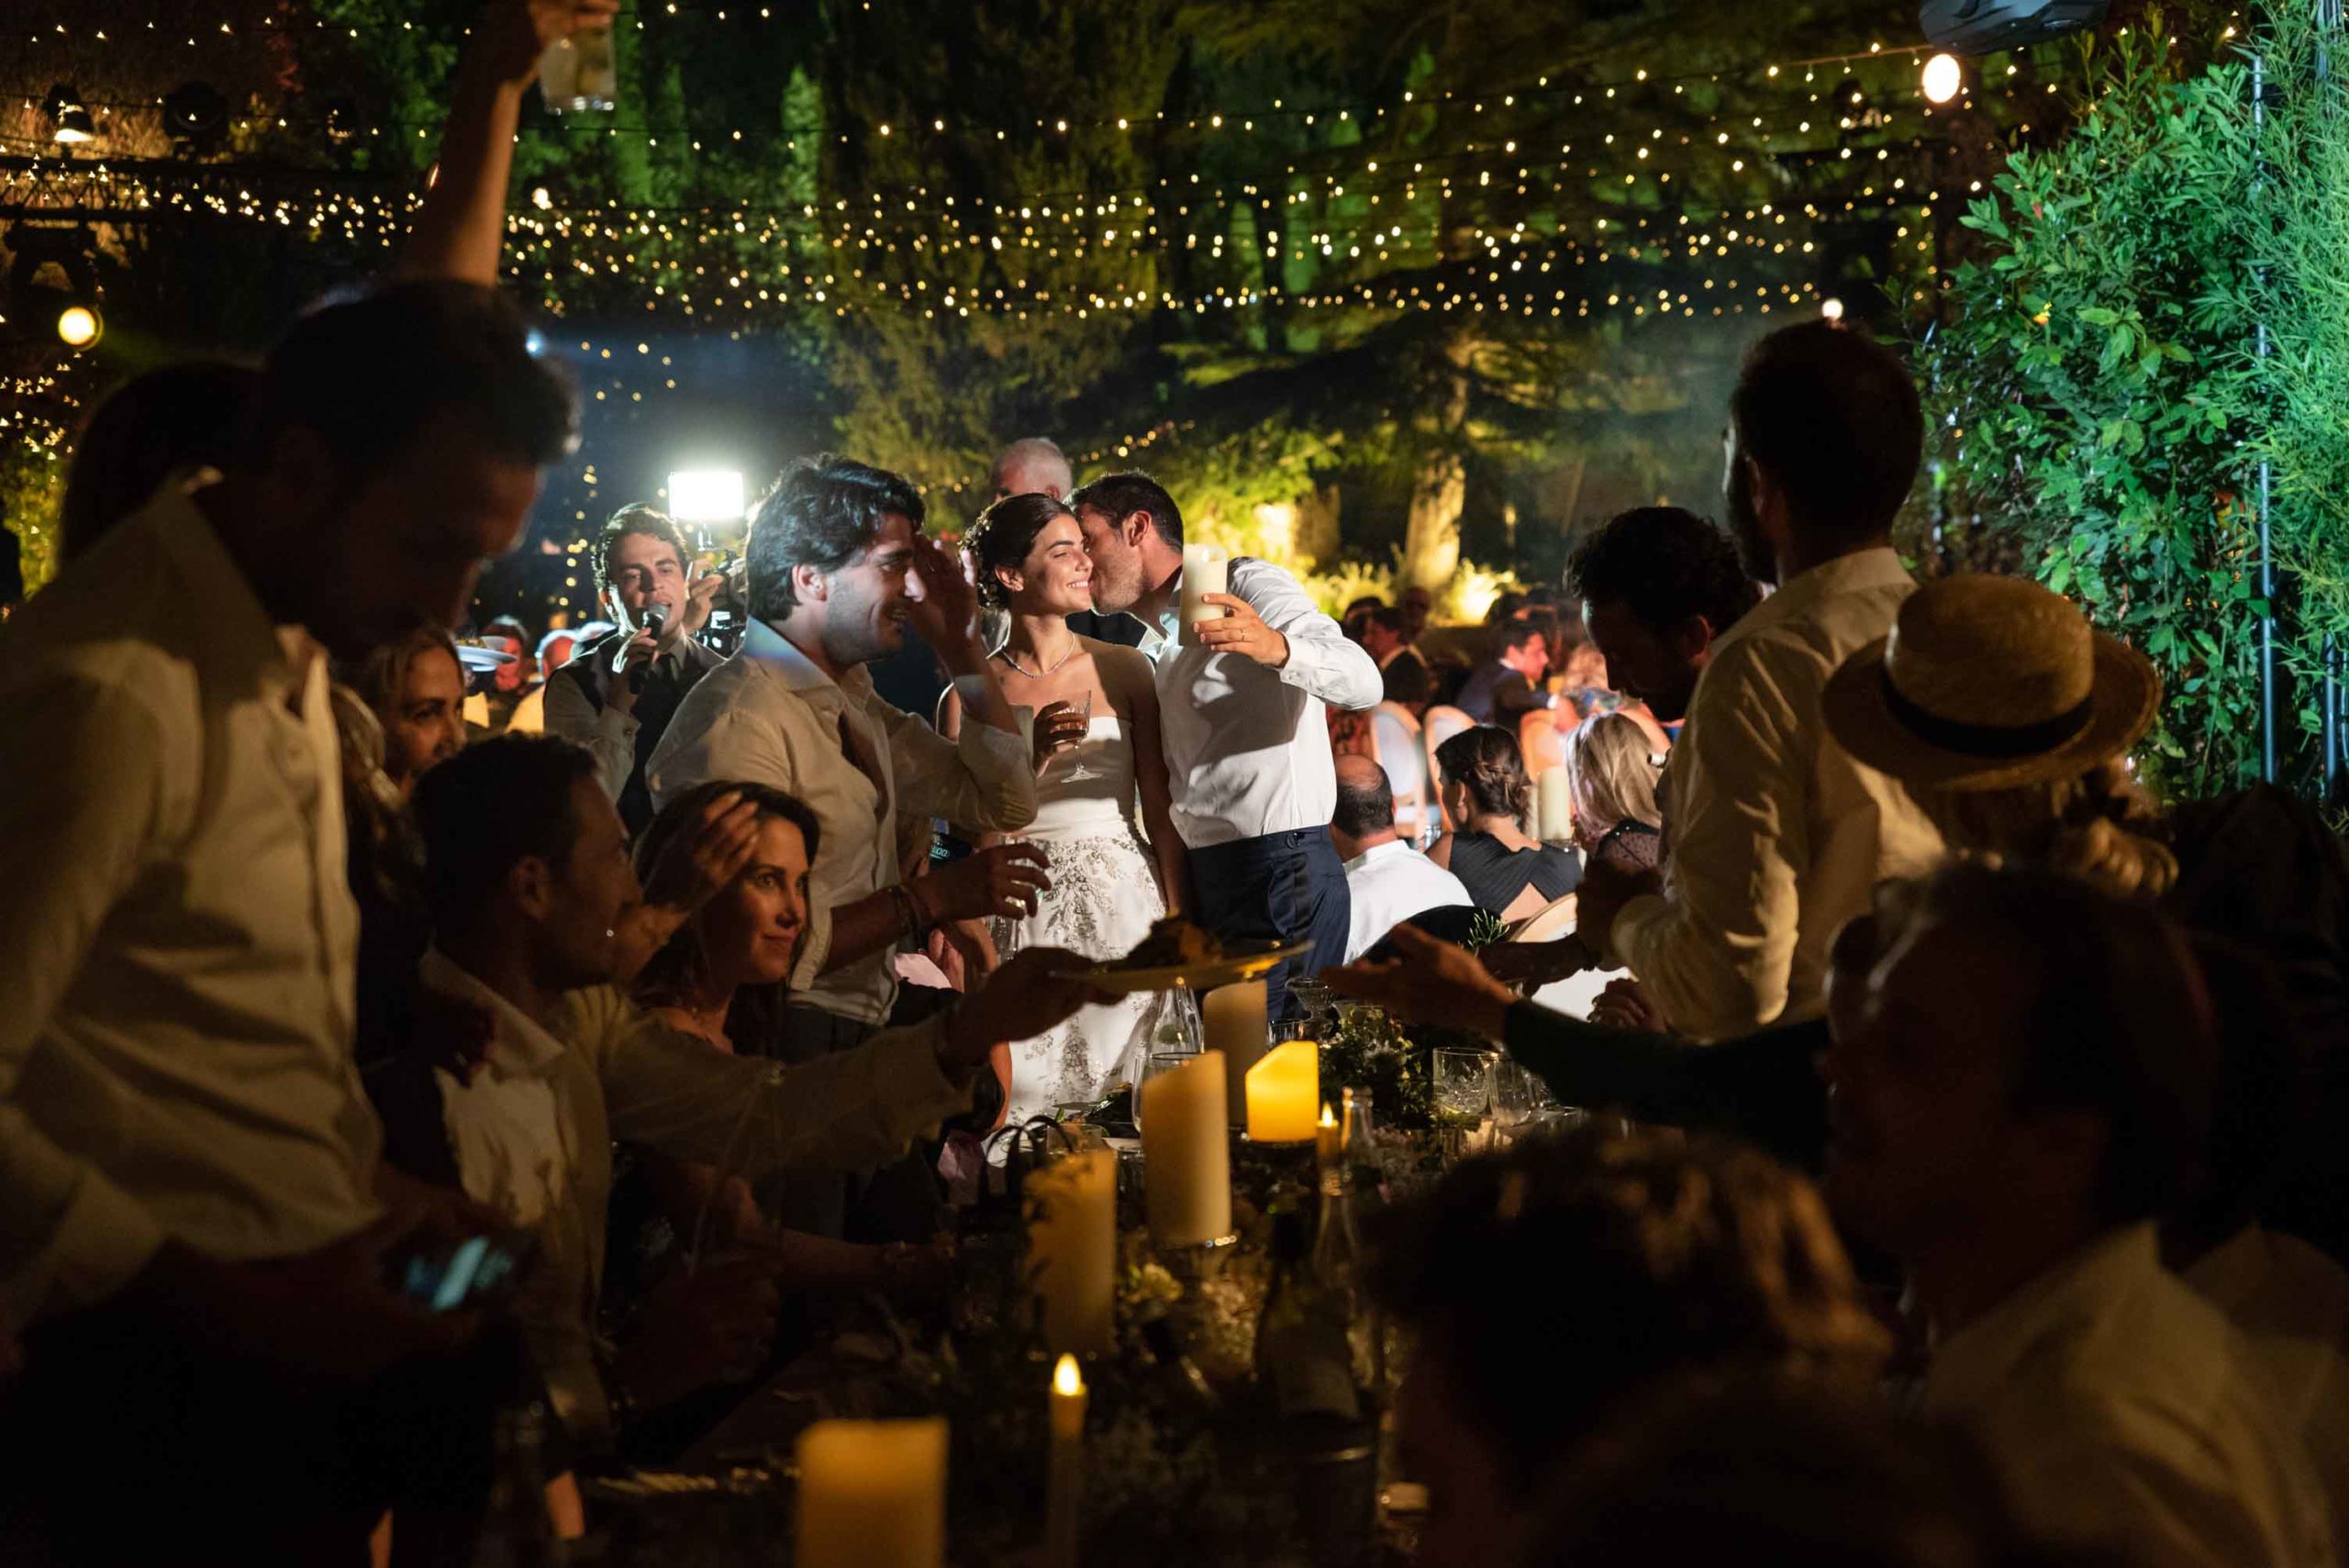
point(1103, 900)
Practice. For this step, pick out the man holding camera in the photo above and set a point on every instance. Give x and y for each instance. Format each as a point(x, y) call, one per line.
point(617, 694)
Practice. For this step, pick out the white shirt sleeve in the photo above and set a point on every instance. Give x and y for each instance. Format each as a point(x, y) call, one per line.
point(1320, 659)
point(607, 732)
point(986, 779)
point(1716, 951)
point(77, 825)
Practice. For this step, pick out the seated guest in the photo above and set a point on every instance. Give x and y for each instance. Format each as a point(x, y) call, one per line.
point(618, 693)
point(1774, 832)
point(1382, 637)
point(1690, 1258)
point(1387, 879)
point(497, 696)
point(2012, 730)
point(1767, 1472)
point(1617, 820)
point(416, 688)
point(1487, 796)
point(1416, 604)
point(2025, 1089)
point(1511, 684)
point(529, 880)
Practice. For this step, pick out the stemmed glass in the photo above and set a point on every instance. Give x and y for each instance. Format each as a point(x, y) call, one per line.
point(1081, 771)
point(1519, 1096)
point(1463, 1092)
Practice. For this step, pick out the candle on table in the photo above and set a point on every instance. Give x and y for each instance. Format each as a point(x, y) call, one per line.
point(1186, 1154)
point(1064, 1480)
point(1282, 1090)
point(1073, 1248)
point(872, 1495)
point(1329, 1138)
point(1553, 812)
point(1206, 570)
point(1235, 1026)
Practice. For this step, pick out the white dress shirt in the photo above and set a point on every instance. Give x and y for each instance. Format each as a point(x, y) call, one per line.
point(768, 716)
point(2291, 1303)
point(2119, 1406)
point(1776, 836)
point(1247, 747)
point(603, 730)
point(1390, 882)
point(606, 1072)
point(177, 936)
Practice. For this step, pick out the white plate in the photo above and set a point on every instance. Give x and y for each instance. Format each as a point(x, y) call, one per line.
point(1192, 976)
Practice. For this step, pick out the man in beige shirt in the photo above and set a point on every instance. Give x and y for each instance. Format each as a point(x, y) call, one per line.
point(2020, 1091)
point(527, 871)
point(1775, 836)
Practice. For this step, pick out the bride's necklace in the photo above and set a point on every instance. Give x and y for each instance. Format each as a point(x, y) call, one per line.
point(1040, 674)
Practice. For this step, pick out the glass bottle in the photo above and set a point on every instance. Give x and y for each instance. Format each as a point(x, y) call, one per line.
point(515, 1530)
point(1304, 1351)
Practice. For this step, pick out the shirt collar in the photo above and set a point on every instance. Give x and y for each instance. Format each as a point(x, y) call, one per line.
point(284, 656)
point(1386, 851)
point(1990, 1351)
point(1854, 573)
point(781, 658)
point(519, 1048)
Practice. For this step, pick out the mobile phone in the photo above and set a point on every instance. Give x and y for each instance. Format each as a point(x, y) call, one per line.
point(446, 1279)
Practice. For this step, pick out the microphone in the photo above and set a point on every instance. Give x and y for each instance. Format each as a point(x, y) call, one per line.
point(655, 617)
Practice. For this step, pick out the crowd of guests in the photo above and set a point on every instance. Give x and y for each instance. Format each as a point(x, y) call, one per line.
point(691, 987)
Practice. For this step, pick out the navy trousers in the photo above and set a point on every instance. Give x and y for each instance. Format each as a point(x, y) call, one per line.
point(1284, 887)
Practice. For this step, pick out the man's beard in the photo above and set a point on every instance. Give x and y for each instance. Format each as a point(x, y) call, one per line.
point(1117, 584)
point(1753, 551)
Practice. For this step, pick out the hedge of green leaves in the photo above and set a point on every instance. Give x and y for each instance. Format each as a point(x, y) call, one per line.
point(2099, 390)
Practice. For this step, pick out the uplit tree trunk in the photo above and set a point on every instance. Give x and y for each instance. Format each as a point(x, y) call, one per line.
point(1432, 541)
point(1317, 525)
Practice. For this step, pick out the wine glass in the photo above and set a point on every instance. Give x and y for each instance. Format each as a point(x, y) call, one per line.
point(1464, 1091)
point(1519, 1096)
point(1081, 771)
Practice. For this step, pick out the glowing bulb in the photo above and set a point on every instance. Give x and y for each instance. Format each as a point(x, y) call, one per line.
point(1066, 1381)
point(79, 325)
point(1832, 310)
point(1945, 78)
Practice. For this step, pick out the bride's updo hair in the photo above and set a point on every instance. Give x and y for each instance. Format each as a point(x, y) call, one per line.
point(1002, 536)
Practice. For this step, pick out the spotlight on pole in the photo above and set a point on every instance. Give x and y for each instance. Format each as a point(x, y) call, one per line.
point(1945, 78)
point(197, 116)
point(707, 495)
point(68, 117)
point(79, 325)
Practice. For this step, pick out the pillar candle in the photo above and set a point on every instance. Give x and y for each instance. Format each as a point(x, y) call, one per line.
point(1206, 570)
point(1328, 1137)
point(1235, 1026)
point(1073, 1248)
point(1065, 1478)
point(1553, 811)
point(1283, 1093)
point(1186, 1154)
point(872, 1495)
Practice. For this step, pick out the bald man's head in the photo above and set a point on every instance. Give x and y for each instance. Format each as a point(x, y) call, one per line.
point(1033, 467)
point(1365, 814)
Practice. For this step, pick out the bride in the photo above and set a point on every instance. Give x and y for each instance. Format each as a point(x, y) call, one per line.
point(1095, 708)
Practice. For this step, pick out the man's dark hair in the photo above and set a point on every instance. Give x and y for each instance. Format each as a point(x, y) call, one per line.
point(1119, 496)
point(170, 420)
point(823, 513)
point(1407, 681)
point(1703, 1256)
point(2117, 1022)
point(369, 375)
point(1663, 565)
point(1509, 638)
point(1006, 533)
point(1386, 618)
point(490, 807)
point(1832, 418)
point(1365, 811)
point(646, 523)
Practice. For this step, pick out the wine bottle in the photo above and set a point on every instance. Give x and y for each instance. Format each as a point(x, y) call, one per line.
point(1304, 1351)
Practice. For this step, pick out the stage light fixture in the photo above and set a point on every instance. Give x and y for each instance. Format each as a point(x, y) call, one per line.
point(68, 117)
point(195, 114)
point(707, 495)
point(79, 325)
point(1945, 78)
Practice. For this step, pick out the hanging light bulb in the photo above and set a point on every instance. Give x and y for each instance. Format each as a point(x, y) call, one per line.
point(1831, 309)
point(79, 325)
point(68, 117)
point(1945, 78)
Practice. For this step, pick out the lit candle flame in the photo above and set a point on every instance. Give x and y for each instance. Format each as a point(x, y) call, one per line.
point(1328, 1117)
point(1066, 1381)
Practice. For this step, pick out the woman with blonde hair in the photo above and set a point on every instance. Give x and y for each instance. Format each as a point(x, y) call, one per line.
point(1616, 818)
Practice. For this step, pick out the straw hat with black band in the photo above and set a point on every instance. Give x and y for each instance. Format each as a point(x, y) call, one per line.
point(1990, 683)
